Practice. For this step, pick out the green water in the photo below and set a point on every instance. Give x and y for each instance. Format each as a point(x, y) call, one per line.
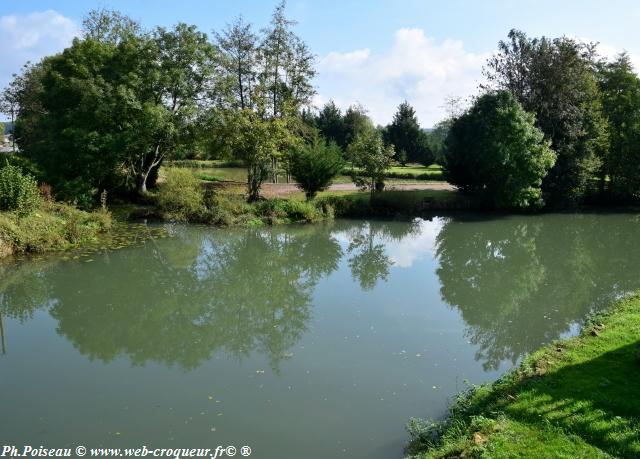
point(299, 341)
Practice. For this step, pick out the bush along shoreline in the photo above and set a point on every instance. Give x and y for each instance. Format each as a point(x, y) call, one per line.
point(54, 226)
point(30, 222)
point(574, 398)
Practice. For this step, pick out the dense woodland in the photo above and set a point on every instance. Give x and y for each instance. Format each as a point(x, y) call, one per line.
point(556, 125)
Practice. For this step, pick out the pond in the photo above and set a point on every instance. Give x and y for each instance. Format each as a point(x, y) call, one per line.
point(298, 341)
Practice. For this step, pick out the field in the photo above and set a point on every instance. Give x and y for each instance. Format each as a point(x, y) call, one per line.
point(233, 171)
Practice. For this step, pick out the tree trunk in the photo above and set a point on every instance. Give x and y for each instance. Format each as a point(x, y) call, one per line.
point(142, 183)
point(253, 183)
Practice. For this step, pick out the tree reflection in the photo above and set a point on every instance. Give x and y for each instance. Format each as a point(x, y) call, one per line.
point(178, 301)
point(369, 261)
point(520, 282)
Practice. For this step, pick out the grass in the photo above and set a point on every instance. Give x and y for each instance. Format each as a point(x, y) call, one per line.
point(234, 171)
point(54, 226)
point(576, 398)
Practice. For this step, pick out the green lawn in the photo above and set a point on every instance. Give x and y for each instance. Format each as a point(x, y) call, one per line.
point(220, 170)
point(578, 398)
point(416, 169)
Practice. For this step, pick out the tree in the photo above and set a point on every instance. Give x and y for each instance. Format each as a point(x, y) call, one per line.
point(314, 166)
point(109, 26)
point(11, 96)
point(332, 125)
point(286, 71)
point(355, 121)
point(238, 46)
point(403, 158)
point(405, 134)
point(436, 139)
point(495, 152)
point(620, 88)
point(555, 80)
point(257, 140)
point(371, 157)
point(287, 65)
point(108, 114)
point(21, 100)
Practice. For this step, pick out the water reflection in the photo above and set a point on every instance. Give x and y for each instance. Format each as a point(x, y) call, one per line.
point(517, 282)
point(520, 282)
point(368, 249)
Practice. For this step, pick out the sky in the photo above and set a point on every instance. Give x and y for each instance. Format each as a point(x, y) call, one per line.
point(374, 52)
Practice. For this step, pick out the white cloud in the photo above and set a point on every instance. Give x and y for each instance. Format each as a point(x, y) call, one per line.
point(405, 252)
point(30, 37)
point(416, 68)
point(345, 62)
point(611, 52)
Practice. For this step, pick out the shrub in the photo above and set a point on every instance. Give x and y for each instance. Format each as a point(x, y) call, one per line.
point(371, 158)
point(181, 197)
point(275, 211)
point(314, 166)
point(18, 192)
point(54, 226)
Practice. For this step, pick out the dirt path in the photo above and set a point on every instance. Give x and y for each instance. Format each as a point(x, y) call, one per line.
point(280, 189)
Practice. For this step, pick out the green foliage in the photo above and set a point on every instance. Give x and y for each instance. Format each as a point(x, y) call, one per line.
point(109, 26)
point(52, 227)
point(286, 67)
point(18, 191)
point(356, 121)
point(258, 142)
point(436, 138)
point(495, 152)
point(106, 113)
point(274, 211)
point(620, 88)
point(332, 125)
point(181, 197)
point(403, 158)
point(371, 157)
point(405, 134)
point(315, 166)
point(555, 80)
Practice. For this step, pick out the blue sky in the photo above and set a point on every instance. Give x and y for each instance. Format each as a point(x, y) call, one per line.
point(376, 52)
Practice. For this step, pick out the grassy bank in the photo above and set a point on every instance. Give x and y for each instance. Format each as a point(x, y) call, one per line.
point(576, 398)
point(54, 226)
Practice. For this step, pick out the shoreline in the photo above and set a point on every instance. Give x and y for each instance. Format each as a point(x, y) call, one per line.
point(574, 397)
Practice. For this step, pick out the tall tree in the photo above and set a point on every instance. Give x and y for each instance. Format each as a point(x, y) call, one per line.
point(355, 122)
point(405, 134)
point(287, 66)
point(238, 46)
point(286, 72)
point(555, 80)
point(105, 108)
point(495, 152)
point(620, 87)
point(331, 124)
point(16, 94)
point(109, 26)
